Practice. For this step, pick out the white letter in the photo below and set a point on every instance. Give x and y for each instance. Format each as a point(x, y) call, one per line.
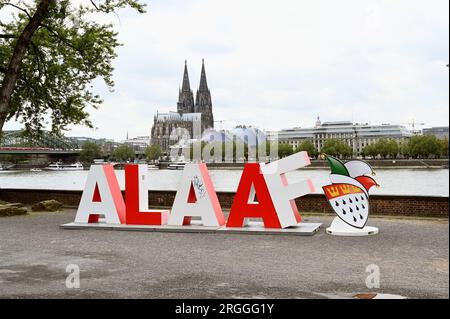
point(196, 197)
point(373, 280)
point(73, 279)
point(101, 196)
point(284, 194)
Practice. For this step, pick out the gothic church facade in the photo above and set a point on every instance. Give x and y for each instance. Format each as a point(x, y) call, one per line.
point(188, 111)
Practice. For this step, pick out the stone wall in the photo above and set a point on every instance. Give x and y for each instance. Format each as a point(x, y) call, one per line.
point(423, 206)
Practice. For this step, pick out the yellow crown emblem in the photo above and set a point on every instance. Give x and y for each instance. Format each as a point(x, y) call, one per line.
point(346, 189)
point(333, 191)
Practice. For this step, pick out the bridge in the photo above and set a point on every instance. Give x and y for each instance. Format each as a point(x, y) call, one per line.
point(16, 143)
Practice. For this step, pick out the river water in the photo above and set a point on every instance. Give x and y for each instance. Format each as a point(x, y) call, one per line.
point(430, 182)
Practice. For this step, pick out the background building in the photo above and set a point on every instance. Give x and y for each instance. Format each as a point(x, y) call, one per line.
point(441, 132)
point(139, 144)
point(166, 124)
point(357, 136)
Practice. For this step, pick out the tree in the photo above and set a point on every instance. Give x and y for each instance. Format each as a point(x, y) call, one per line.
point(381, 147)
point(153, 152)
point(384, 148)
point(405, 150)
point(345, 150)
point(424, 146)
point(50, 52)
point(369, 150)
point(90, 151)
point(444, 147)
point(336, 147)
point(392, 148)
point(309, 147)
point(123, 153)
point(284, 150)
point(434, 146)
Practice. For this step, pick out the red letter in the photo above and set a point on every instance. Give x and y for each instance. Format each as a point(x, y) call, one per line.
point(252, 181)
point(136, 198)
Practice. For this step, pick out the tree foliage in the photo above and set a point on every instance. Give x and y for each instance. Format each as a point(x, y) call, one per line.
point(309, 147)
point(383, 147)
point(444, 147)
point(284, 150)
point(50, 53)
point(153, 152)
point(336, 147)
point(90, 151)
point(123, 153)
point(425, 146)
point(404, 150)
point(392, 148)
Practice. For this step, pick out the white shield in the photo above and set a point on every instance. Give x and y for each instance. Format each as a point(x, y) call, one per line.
point(352, 208)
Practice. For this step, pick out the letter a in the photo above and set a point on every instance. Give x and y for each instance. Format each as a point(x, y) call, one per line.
point(101, 196)
point(136, 198)
point(252, 183)
point(196, 197)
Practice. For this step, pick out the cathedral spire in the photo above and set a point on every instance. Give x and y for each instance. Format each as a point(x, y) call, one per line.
point(203, 83)
point(185, 96)
point(186, 86)
point(203, 102)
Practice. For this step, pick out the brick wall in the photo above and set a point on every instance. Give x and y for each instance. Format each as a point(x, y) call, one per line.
point(374, 163)
point(425, 206)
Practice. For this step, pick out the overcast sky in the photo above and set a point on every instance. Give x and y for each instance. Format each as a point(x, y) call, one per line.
point(277, 64)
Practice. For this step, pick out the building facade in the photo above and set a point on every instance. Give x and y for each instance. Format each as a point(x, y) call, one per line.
point(139, 144)
point(357, 136)
point(441, 132)
point(169, 128)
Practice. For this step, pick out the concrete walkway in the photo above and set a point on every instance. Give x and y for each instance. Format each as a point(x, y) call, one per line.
point(413, 257)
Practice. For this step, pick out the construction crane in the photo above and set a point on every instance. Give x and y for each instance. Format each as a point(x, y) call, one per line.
point(413, 124)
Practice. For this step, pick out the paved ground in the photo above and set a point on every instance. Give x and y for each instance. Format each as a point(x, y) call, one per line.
point(34, 252)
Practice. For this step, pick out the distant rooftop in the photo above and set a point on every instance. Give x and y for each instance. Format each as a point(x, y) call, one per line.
point(333, 123)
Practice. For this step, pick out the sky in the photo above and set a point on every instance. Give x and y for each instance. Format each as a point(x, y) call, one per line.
point(279, 64)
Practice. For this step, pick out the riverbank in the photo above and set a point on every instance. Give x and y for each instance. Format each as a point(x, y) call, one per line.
point(315, 164)
point(380, 205)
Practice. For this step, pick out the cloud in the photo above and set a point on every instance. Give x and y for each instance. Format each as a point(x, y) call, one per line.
point(279, 64)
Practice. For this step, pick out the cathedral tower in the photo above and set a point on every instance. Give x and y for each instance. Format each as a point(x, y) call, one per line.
point(185, 96)
point(203, 102)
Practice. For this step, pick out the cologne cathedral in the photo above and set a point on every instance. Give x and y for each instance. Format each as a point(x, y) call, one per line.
point(188, 112)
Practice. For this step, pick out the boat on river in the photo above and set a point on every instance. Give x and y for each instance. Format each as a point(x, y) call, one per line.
point(176, 165)
point(5, 167)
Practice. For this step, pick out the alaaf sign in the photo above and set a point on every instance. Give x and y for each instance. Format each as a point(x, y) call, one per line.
point(263, 193)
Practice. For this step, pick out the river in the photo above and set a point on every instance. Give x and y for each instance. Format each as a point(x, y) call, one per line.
point(430, 182)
